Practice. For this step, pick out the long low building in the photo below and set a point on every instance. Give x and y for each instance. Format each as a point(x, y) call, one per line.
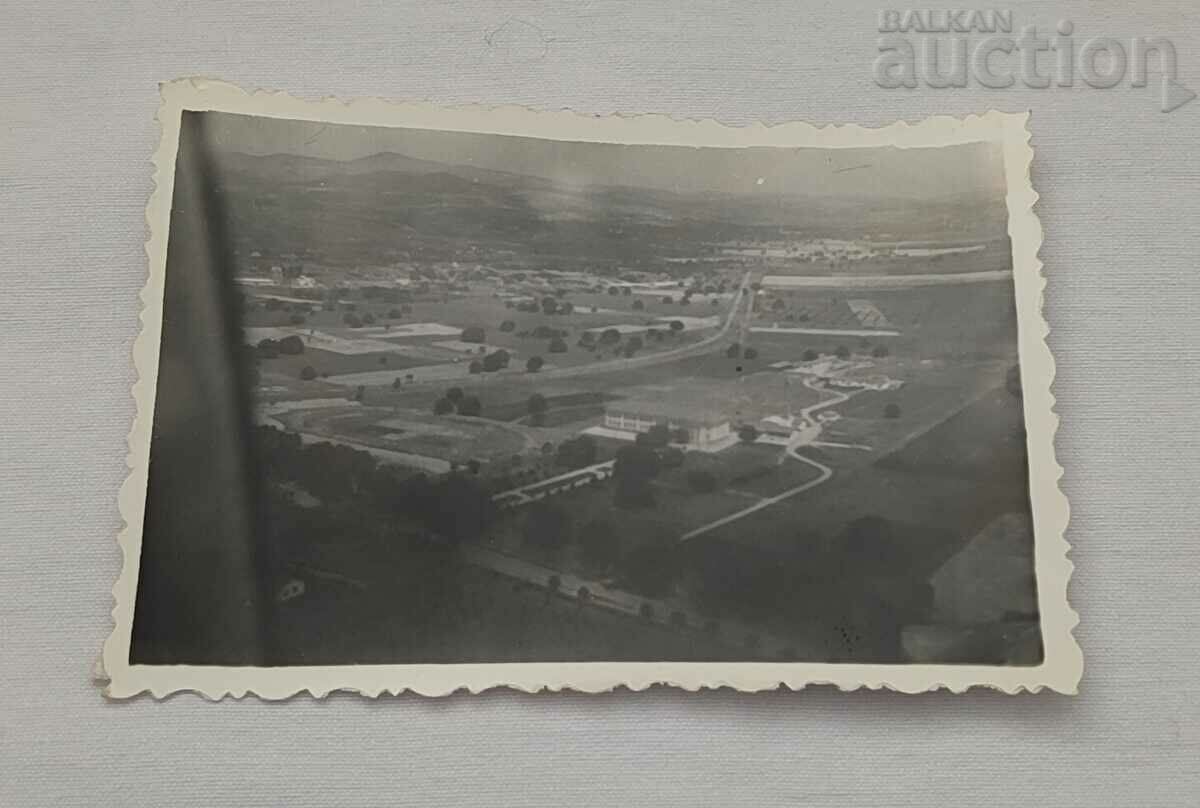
point(704, 425)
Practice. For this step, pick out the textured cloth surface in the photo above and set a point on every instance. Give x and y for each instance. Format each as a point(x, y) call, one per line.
point(1120, 204)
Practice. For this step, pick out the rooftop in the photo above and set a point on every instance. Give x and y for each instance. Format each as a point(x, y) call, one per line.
point(702, 413)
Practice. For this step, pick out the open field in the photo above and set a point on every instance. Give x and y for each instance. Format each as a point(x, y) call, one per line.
point(451, 438)
point(972, 320)
point(909, 488)
point(334, 364)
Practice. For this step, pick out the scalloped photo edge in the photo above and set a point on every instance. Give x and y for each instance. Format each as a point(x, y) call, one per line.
point(1062, 665)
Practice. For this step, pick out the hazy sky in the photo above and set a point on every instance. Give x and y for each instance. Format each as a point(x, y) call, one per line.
point(837, 172)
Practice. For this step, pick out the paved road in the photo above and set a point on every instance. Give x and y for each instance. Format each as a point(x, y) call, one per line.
point(604, 597)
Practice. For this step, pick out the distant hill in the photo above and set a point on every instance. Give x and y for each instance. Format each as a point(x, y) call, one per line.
point(375, 208)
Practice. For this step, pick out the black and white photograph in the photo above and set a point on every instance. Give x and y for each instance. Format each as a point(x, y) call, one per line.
point(480, 405)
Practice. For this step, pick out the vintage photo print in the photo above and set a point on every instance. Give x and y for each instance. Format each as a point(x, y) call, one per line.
point(434, 399)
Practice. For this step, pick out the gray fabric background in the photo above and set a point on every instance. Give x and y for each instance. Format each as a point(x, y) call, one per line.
point(1120, 204)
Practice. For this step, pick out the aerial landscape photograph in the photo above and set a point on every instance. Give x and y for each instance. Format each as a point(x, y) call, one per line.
point(453, 397)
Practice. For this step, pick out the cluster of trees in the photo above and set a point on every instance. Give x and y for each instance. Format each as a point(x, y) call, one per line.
point(290, 345)
point(496, 360)
point(456, 507)
point(354, 320)
point(550, 304)
point(455, 400)
point(577, 452)
point(735, 351)
point(635, 467)
point(650, 568)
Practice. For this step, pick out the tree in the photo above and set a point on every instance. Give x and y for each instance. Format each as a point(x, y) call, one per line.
point(537, 406)
point(557, 345)
point(671, 457)
point(599, 545)
point(810, 355)
point(443, 406)
point(470, 405)
point(879, 351)
point(701, 481)
point(750, 353)
point(610, 336)
point(891, 410)
point(657, 436)
point(454, 395)
point(394, 314)
point(398, 383)
point(680, 435)
point(577, 452)
point(668, 299)
point(842, 352)
point(352, 320)
point(685, 301)
point(534, 363)
point(626, 290)
point(614, 291)
point(748, 434)
point(634, 467)
point(633, 345)
point(639, 305)
point(778, 305)
point(475, 367)
point(549, 305)
point(495, 361)
point(360, 392)
point(676, 326)
point(733, 351)
point(566, 307)
point(308, 373)
point(508, 326)
point(473, 333)
point(296, 319)
point(368, 318)
point(268, 348)
point(587, 339)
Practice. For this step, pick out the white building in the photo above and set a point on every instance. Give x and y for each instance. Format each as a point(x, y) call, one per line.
point(704, 427)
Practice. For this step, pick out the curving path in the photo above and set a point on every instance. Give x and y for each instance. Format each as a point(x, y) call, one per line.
point(792, 451)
